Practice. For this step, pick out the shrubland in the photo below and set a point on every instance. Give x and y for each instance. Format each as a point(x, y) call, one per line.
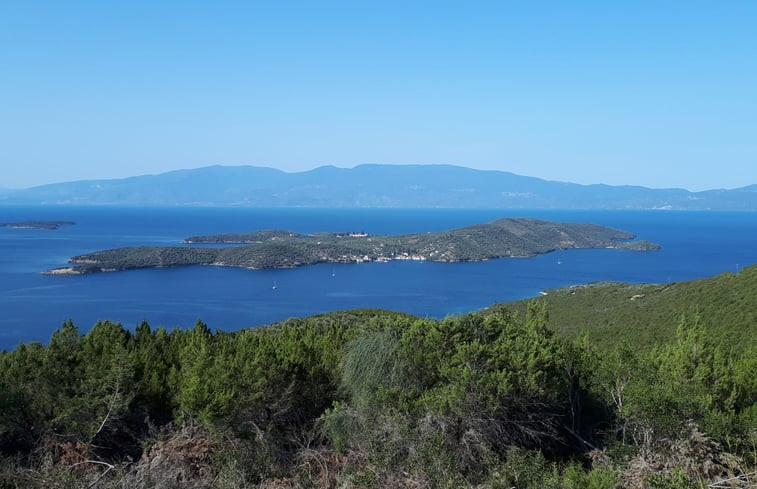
point(369, 398)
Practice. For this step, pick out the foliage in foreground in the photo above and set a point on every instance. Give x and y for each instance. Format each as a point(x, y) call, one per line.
point(376, 399)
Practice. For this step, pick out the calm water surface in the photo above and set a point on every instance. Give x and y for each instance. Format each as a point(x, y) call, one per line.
point(695, 244)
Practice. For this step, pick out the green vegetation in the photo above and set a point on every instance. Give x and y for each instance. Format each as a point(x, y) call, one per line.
point(646, 314)
point(284, 249)
point(375, 399)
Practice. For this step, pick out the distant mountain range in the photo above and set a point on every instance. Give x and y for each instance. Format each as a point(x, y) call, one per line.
point(372, 186)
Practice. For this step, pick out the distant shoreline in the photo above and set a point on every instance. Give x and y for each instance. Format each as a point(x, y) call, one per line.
point(43, 225)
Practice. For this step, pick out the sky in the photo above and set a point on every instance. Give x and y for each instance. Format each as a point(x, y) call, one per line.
point(654, 93)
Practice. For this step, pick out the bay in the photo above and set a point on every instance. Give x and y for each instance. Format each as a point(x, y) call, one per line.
point(695, 245)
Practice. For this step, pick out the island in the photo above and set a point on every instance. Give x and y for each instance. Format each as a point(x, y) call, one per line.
point(503, 238)
point(43, 225)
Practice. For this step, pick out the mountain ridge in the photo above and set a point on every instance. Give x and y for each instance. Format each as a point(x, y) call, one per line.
point(373, 185)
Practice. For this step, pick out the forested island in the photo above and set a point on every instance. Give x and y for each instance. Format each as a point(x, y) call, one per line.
point(501, 398)
point(44, 225)
point(502, 238)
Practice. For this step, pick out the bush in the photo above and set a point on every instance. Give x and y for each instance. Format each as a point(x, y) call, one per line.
point(575, 477)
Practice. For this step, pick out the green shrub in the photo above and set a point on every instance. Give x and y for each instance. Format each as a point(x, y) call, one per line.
point(575, 477)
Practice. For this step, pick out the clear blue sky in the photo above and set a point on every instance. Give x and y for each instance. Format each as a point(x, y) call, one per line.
point(658, 93)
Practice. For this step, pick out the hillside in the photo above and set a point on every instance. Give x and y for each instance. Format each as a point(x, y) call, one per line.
point(417, 186)
point(283, 249)
point(643, 314)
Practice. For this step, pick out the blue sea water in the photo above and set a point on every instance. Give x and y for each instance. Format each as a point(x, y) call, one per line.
point(695, 244)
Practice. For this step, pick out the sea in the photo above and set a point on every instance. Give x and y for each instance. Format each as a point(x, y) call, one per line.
point(33, 305)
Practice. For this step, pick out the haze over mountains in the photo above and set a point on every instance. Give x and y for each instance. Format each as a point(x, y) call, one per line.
point(372, 186)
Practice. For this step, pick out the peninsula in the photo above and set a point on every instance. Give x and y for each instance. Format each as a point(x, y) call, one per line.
point(44, 225)
point(504, 238)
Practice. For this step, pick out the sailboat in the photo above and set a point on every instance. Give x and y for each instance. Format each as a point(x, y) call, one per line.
point(274, 285)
